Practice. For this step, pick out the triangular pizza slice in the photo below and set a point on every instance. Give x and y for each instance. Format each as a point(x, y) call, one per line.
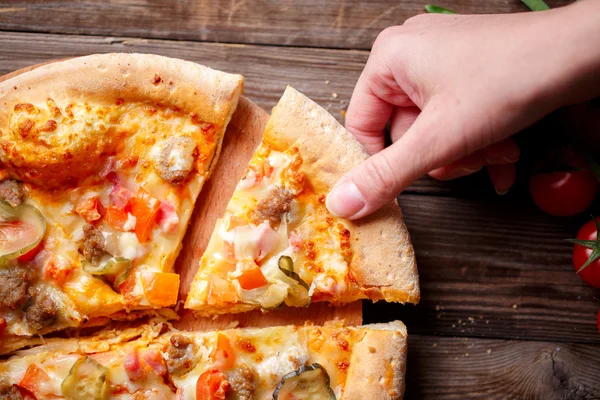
point(277, 243)
point(101, 161)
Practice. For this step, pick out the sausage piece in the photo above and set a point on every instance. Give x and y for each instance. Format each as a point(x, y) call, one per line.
point(242, 382)
point(176, 158)
point(93, 245)
point(179, 352)
point(277, 201)
point(13, 287)
point(41, 309)
point(12, 192)
point(10, 393)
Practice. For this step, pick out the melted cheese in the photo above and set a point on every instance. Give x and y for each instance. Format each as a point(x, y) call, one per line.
point(270, 353)
point(318, 250)
point(85, 143)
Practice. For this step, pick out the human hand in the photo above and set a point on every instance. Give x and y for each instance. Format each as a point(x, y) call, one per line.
point(455, 88)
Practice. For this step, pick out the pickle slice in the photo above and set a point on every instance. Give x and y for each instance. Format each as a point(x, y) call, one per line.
point(306, 383)
point(86, 380)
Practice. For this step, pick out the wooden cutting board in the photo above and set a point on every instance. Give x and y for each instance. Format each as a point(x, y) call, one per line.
point(242, 137)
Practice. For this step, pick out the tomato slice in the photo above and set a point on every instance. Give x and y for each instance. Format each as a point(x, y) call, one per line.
point(144, 207)
point(212, 385)
point(90, 209)
point(34, 380)
point(224, 354)
point(116, 218)
point(30, 255)
point(252, 278)
point(160, 288)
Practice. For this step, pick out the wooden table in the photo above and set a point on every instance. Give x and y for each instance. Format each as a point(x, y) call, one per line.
point(503, 316)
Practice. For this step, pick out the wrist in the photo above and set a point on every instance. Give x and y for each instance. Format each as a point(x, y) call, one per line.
point(573, 36)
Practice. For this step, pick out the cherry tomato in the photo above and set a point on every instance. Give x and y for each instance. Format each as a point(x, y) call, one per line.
point(563, 193)
point(583, 251)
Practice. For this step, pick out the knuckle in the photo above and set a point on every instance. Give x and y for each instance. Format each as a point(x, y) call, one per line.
point(379, 178)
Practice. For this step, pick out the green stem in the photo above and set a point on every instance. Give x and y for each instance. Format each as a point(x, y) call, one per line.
point(431, 8)
point(536, 5)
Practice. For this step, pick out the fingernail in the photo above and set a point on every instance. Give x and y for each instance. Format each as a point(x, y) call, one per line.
point(468, 171)
point(345, 200)
point(502, 192)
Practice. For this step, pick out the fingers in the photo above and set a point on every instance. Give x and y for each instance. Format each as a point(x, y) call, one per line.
point(378, 180)
point(503, 176)
point(374, 98)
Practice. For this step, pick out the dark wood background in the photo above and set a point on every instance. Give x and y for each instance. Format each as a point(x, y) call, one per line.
point(503, 315)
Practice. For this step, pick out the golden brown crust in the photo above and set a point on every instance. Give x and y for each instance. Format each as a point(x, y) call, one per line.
point(379, 363)
point(102, 80)
point(383, 260)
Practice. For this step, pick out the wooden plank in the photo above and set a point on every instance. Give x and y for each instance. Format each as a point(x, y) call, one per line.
point(316, 23)
point(465, 368)
point(493, 268)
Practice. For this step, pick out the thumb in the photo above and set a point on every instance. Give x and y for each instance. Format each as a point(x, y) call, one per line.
point(382, 177)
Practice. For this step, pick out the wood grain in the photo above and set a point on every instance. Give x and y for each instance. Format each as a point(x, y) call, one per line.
point(465, 368)
point(336, 24)
point(494, 268)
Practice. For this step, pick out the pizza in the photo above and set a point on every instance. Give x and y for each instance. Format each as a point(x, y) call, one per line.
point(101, 161)
point(278, 245)
point(280, 363)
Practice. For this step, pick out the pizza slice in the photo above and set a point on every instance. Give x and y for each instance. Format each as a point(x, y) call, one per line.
point(277, 243)
point(281, 363)
point(101, 161)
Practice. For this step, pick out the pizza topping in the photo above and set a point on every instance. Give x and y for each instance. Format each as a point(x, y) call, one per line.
point(41, 308)
point(120, 219)
point(153, 359)
point(13, 287)
point(276, 202)
point(224, 354)
point(251, 275)
point(175, 159)
point(307, 382)
point(167, 218)
point(86, 380)
point(180, 353)
point(21, 229)
point(298, 294)
point(212, 385)
point(89, 207)
point(57, 268)
point(11, 393)
point(241, 379)
point(115, 270)
point(12, 192)
point(120, 196)
point(132, 366)
point(160, 288)
point(37, 381)
point(93, 245)
point(145, 208)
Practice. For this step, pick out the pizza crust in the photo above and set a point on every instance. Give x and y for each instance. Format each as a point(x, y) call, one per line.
point(383, 262)
point(379, 363)
point(103, 80)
